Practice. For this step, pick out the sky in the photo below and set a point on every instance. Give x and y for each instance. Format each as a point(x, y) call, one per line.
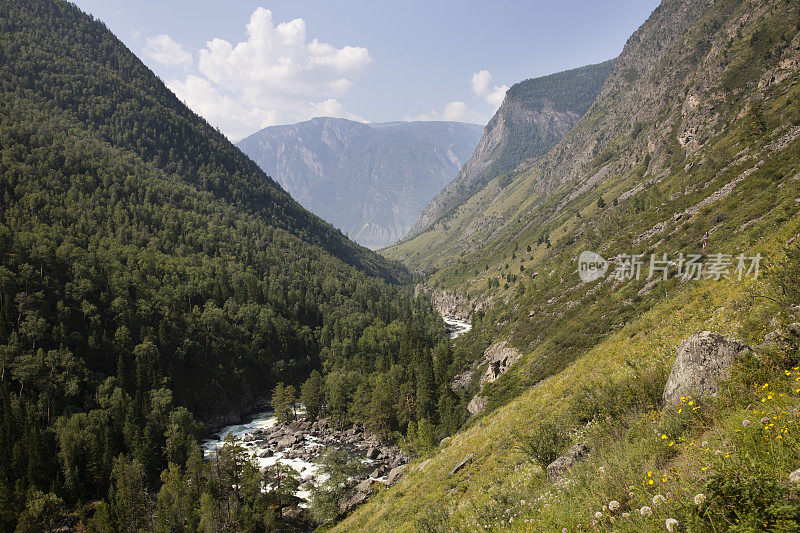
point(245, 65)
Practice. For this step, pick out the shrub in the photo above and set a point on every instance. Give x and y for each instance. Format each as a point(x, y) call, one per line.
point(544, 440)
point(615, 398)
point(742, 497)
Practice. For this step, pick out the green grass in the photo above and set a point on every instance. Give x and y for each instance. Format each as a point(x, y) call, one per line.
point(626, 446)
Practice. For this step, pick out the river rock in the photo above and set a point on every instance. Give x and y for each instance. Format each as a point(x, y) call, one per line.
point(373, 453)
point(286, 442)
point(700, 361)
point(560, 466)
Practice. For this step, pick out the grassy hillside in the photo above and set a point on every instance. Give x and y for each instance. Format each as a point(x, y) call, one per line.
point(696, 130)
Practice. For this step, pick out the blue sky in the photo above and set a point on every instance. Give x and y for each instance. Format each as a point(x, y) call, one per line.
point(245, 65)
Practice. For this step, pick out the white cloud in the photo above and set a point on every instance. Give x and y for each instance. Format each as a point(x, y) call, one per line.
point(496, 96)
point(276, 76)
point(480, 86)
point(457, 111)
point(164, 50)
point(454, 111)
point(480, 81)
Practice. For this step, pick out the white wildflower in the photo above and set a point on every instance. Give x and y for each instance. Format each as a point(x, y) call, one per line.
point(745, 422)
point(671, 523)
point(645, 511)
point(613, 505)
point(598, 515)
point(658, 499)
point(699, 499)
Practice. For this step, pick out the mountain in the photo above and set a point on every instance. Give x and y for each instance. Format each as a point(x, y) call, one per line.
point(534, 116)
point(369, 180)
point(690, 149)
point(154, 280)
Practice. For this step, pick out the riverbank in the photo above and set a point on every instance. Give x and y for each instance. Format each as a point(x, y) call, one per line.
point(300, 443)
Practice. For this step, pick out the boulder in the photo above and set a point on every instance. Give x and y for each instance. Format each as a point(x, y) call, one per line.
point(355, 497)
point(700, 361)
point(461, 464)
point(794, 477)
point(394, 475)
point(461, 381)
point(560, 466)
point(373, 453)
point(286, 442)
point(477, 404)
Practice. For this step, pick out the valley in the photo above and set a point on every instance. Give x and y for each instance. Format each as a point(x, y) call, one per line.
point(584, 316)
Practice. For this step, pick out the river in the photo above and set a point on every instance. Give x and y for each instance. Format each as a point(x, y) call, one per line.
point(265, 420)
point(456, 327)
point(308, 471)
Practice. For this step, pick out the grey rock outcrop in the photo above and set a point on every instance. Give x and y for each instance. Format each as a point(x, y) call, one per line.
point(452, 304)
point(700, 361)
point(531, 120)
point(500, 357)
point(355, 497)
point(561, 466)
point(477, 404)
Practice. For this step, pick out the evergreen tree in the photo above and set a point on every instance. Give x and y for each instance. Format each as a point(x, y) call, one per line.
point(312, 395)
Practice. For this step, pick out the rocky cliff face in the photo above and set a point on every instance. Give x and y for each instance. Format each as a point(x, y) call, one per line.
point(369, 180)
point(534, 116)
point(655, 62)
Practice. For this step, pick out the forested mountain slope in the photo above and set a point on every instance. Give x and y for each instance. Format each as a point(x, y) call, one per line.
point(152, 275)
point(369, 180)
point(694, 138)
point(534, 116)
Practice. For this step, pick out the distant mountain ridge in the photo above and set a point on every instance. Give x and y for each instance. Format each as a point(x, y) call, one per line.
point(535, 115)
point(369, 180)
